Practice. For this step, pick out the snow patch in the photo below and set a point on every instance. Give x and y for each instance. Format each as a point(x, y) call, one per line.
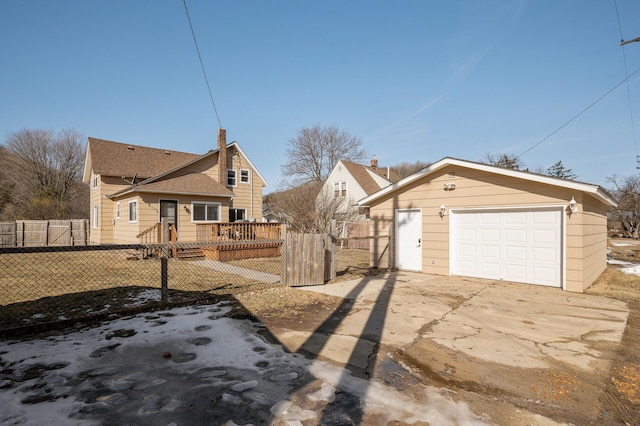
point(622, 244)
point(618, 262)
point(198, 344)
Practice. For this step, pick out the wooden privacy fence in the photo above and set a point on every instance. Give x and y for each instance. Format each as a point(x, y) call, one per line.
point(36, 233)
point(355, 235)
point(309, 259)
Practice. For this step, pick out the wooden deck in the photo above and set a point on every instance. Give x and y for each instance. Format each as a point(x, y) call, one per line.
point(230, 241)
point(244, 240)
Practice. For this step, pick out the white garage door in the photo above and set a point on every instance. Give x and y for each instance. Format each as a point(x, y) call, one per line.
point(512, 245)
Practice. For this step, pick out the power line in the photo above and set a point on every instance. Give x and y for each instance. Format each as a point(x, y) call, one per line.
point(580, 113)
point(626, 72)
point(201, 64)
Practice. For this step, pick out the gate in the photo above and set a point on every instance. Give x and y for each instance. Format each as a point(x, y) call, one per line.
point(59, 233)
point(309, 259)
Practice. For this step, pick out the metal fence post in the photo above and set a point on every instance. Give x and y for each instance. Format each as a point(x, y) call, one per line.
point(164, 261)
point(392, 241)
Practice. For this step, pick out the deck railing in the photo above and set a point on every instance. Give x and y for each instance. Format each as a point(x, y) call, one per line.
point(153, 234)
point(237, 231)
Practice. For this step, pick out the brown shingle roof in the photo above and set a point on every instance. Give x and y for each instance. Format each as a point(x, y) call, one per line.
point(382, 172)
point(364, 179)
point(119, 159)
point(193, 183)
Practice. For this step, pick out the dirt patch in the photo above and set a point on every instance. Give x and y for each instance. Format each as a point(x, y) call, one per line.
point(285, 306)
point(289, 307)
point(621, 398)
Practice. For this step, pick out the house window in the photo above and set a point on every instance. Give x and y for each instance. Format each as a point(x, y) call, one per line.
point(237, 214)
point(244, 176)
point(94, 217)
point(117, 210)
point(95, 181)
point(133, 211)
point(336, 189)
point(340, 189)
point(231, 177)
point(205, 212)
point(343, 186)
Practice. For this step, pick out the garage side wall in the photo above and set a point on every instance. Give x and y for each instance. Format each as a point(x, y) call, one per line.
point(593, 254)
point(379, 228)
point(479, 189)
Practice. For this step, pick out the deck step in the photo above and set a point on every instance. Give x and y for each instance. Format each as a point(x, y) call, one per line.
point(189, 253)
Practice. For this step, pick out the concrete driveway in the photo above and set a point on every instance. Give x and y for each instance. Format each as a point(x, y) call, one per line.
point(532, 347)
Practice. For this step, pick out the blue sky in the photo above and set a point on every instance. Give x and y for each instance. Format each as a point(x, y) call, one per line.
point(415, 79)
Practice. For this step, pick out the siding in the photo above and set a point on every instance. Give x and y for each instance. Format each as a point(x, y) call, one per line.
point(106, 208)
point(248, 195)
point(149, 215)
point(594, 233)
point(341, 174)
point(585, 231)
point(125, 232)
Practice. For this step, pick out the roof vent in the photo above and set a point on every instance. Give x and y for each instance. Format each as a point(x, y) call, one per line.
point(130, 148)
point(167, 153)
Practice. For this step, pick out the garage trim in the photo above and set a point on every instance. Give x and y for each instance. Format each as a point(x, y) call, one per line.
point(560, 208)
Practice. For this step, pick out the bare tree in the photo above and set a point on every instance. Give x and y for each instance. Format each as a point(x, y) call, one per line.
point(46, 171)
point(314, 151)
point(507, 161)
point(308, 208)
point(560, 171)
point(329, 208)
point(405, 169)
point(295, 206)
point(7, 186)
point(627, 193)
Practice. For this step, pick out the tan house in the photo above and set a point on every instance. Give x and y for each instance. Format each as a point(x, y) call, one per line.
point(133, 187)
point(458, 217)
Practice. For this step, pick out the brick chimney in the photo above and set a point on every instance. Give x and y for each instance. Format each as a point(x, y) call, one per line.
point(222, 156)
point(374, 162)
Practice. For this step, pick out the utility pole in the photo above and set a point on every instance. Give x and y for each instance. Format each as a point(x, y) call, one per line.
point(623, 42)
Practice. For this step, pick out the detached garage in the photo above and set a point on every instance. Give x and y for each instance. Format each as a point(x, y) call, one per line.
point(458, 217)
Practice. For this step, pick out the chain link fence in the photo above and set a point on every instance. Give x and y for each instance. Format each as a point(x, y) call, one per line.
point(44, 285)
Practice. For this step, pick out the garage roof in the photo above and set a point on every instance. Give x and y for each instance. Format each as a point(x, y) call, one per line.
point(595, 190)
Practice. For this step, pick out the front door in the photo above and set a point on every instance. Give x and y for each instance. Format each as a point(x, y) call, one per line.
point(169, 209)
point(408, 239)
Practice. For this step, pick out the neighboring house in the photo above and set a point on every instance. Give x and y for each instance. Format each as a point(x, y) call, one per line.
point(133, 187)
point(352, 181)
point(464, 218)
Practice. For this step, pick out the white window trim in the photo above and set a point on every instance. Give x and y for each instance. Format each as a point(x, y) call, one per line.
point(248, 176)
point(95, 181)
point(95, 218)
point(239, 208)
point(235, 177)
point(208, 203)
point(117, 210)
point(135, 220)
point(340, 185)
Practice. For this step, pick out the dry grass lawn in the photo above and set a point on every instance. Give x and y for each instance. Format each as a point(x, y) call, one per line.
point(44, 287)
